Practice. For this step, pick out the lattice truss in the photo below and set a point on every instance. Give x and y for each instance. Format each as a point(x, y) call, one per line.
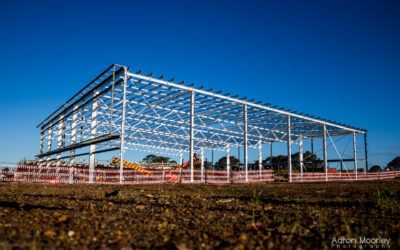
point(153, 113)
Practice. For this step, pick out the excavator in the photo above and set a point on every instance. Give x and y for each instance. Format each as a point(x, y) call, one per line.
point(170, 174)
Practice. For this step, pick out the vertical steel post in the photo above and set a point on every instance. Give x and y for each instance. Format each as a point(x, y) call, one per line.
point(289, 148)
point(202, 164)
point(260, 157)
point(49, 142)
point(93, 133)
point(122, 140)
point(73, 133)
point(324, 151)
point(245, 157)
point(301, 160)
point(180, 163)
point(112, 99)
point(239, 154)
point(191, 136)
point(73, 141)
point(355, 154)
point(366, 152)
point(61, 131)
point(228, 163)
point(41, 141)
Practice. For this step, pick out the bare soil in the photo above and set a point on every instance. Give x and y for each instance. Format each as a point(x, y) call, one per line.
point(279, 215)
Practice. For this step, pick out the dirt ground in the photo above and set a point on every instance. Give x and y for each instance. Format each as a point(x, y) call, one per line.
point(280, 215)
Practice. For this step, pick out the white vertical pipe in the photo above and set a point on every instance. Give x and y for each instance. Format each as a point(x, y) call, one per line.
point(180, 163)
point(289, 148)
point(260, 156)
point(61, 126)
point(73, 133)
point(202, 164)
point(122, 139)
point(325, 153)
point(41, 148)
point(42, 141)
point(93, 133)
point(228, 162)
point(301, 160)
point(73, 141)
point(245, 140)
point(49, 142)
point(191, 136)
point(355, 154)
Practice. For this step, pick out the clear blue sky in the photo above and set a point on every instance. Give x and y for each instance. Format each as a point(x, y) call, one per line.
point(335, 59)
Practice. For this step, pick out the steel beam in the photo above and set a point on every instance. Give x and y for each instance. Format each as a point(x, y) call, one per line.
point(150, 79)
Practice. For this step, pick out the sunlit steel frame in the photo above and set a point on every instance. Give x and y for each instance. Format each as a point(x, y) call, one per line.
point(145, 113)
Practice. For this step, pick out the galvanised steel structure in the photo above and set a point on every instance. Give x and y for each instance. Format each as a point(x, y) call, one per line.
point(122, 110)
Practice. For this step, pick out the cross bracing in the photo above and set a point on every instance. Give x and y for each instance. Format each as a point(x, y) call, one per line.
point(153, 113)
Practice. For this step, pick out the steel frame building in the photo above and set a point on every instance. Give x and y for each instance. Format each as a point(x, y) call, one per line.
point(122, 110)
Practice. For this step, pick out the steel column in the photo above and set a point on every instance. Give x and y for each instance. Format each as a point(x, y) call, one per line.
point(61, 133)
point(289, 148)
point(180, 164)
point(366, 152)
point(122, 149)
point(191, 151)
point(245, 141)
point(228, 163)
point(73, 134)
point(93, 133)
point(260, 156)
point(301, 160)
point(202, 164)
point(73, 141)
point(355, 154)
point(324, 151)
point(42, 141)
point(112, 100)
point(49, 142)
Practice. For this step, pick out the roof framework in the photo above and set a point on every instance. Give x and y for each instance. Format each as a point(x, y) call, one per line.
point(158, 115)
point(153, 113)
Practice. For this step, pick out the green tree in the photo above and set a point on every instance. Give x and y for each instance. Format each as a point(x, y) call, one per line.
point(156, 159)
point(310, 160)
point(395, 163)
point(375, 168)
point(234, 163)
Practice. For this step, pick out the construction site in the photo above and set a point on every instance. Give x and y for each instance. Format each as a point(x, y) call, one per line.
point(120, 112)
point(321, 190)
